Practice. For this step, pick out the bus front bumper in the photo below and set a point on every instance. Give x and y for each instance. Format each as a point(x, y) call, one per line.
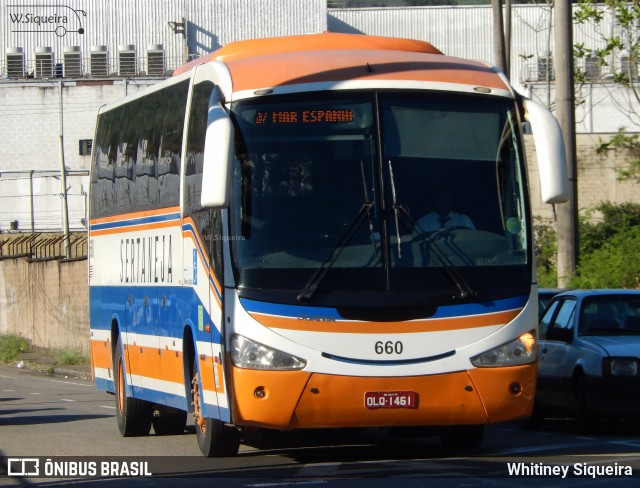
point(298, 399)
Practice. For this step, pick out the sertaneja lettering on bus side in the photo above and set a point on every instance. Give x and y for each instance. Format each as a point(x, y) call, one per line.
point(146, 260)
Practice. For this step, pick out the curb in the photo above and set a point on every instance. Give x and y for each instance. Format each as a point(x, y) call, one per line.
point(80, 371)
point(71, 373)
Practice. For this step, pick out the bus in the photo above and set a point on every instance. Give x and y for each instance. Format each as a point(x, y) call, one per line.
point(259, 257)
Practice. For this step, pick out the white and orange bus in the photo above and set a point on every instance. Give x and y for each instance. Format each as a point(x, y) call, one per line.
point(260, 255)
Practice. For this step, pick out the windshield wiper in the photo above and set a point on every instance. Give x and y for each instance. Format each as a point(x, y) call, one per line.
point(395, 208)
point(315, 280)
point(452, 272)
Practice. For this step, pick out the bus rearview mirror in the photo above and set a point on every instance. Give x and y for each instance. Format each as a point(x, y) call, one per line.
point(218, 158)
point(552, 161)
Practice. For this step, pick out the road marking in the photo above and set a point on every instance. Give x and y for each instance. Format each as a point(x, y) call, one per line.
point(66, 400)
point(6, 390)
point(549, 447)
point(73, 383)
point(35, 393)
point(108, 406)
point(289, 483)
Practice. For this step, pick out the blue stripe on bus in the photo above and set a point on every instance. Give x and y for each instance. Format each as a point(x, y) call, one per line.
point(108, 302)
point(179, 402)
point(150, 219)
point(107, 385)
point(445, 311)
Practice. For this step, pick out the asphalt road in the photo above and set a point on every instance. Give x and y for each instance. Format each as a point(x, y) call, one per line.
point(68, 428)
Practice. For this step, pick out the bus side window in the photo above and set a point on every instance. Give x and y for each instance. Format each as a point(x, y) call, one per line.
point(174, 100)
point(208, 222)
point(195, 145)
point(103, 170)
point(146, 171)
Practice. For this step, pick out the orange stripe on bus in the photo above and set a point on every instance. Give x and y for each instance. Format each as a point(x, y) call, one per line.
point(136, 228)
point(207, 377)
point(429, 325)
point(101, 354)
point(135, 215)
point(159, 364)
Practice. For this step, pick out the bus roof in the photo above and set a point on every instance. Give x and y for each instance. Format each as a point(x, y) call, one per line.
point(334, 57)
point(309, 42)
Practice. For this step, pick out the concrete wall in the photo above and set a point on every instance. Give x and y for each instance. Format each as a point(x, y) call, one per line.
point(46, 302)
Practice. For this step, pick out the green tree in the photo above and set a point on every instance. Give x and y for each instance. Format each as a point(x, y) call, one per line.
point(618, 42)
point(615, 264)
point(595, 232)
point(630, 143)
point(609, 248)
point(544, 237)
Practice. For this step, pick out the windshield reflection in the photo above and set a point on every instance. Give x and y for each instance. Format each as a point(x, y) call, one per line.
point(329, 199)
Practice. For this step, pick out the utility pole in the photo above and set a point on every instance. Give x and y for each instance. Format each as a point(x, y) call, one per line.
point(63, 181)
point(567, 213)
point(499, 56)
point(507, 37)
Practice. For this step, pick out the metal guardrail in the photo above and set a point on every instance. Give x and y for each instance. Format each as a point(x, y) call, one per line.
point(42, 245)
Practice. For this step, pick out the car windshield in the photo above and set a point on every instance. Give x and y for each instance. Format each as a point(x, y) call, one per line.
point(611, 315)
point(406, 195)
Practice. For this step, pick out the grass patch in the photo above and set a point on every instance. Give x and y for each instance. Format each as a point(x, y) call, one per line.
point(70, 357)
point(11, 346)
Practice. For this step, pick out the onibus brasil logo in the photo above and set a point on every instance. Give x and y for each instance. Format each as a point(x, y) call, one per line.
point(58, 19)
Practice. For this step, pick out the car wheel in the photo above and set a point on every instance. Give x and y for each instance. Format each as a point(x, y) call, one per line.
point(587, 420)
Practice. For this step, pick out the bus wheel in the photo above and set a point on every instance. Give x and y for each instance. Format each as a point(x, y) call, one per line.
point(215, 438)
point(462, 436)
point(133, 415)
point(169, 421)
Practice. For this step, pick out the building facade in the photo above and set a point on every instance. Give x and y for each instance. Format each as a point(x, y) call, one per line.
point(60, 63)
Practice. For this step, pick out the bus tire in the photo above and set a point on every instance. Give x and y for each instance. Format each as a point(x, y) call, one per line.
point(462, 436)
point(215, 438)
point(133, 415)
point(172, 422)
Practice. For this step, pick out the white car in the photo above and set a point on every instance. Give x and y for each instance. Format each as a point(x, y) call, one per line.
point(589, 363)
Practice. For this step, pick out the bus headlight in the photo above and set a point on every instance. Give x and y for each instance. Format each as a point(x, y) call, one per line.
point(248, 354)
point(523, 350)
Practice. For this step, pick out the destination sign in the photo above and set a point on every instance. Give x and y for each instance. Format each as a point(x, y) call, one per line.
point(280, 117)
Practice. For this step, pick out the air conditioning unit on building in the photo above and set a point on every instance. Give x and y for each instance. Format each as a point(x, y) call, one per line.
point(15, 62)
point(545, 67)
point(127, 60)
point(44, 62)
point(627, 69)
point(155, 60)
point(72, 62)
point(99, 61)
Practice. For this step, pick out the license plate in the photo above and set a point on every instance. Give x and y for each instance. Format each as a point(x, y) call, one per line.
point(390, 399)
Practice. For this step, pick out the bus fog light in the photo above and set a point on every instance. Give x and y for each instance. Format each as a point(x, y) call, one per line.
point(259, 392)
point(523, 350)
point(515, 388)
point(248, 354)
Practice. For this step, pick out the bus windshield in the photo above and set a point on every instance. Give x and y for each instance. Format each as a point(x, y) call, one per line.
point(405, 198)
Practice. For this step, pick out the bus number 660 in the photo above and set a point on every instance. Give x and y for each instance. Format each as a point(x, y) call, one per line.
point(389, 347)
